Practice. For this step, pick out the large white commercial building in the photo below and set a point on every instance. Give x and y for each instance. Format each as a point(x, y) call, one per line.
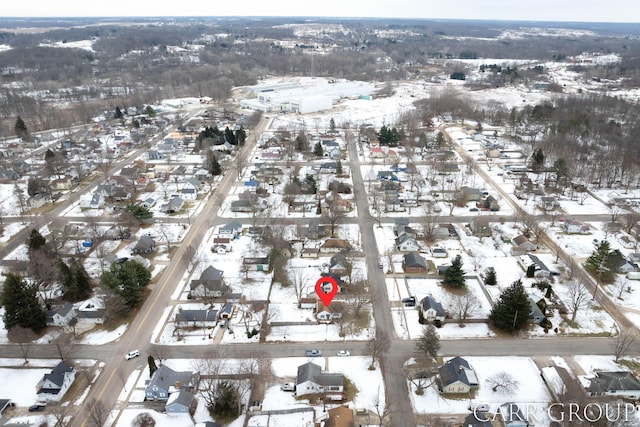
point(304, 95)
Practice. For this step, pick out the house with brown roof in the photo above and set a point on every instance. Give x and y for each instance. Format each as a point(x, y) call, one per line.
point(334, 246)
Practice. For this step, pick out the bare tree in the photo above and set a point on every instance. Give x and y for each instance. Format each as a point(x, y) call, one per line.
point(578, 297)
point(631, 219)
point(239, 164)
point(61, 413)
point(624, 344)
point(98, 412)
point(300, 278)
point(376, 347)
point(429, 226)
point(502, 382)
point(333, 213)
point(465, 305)
point(24, 337)
point(61, 343)
point(161, 353)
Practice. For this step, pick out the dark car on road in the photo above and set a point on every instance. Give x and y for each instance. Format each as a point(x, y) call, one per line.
point(36, 408)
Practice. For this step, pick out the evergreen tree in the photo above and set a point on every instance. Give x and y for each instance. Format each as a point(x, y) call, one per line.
point(225, 405)
point(332, 124)
point(21, 304)
point(241, 136)
point(603, 261)
point(301, 142)
point(149, 111)
point(128, 280)
point(20, 128)
point(338, 167)
point(440, 138)
point(491, 279)
point(213, 165)
point(537, 160)
point(317, 149)
point(139, 212)
point(35, 241)
point(428, 345)
point(512, 311)
point(76, 283)
point(229, 136)
point(454, 275)
point(311, 185)
point(118, 113)
point(152, 365)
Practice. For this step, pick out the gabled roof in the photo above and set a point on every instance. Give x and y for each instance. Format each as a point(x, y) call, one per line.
point(429, 303)
point(57, 374)
point(196, 315)
point(312, 372)
point(182, 397)
point(415, 260)
point(165, 378)
point(605, 382)
point(457, 369)
point(211, 274)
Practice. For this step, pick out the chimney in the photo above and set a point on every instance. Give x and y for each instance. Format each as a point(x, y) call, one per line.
point(178, 385)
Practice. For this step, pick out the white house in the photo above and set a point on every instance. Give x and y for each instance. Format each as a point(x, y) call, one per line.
point(53, 386)
point(311, 380)
point(406, 243)
point(61, 316)
point(456, 376)
point(328, 314)
point(572, 226)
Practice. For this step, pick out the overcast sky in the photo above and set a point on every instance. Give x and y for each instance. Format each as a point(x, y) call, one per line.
point(530, 10)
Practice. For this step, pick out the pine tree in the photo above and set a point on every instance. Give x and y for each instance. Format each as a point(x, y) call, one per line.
point(512, 311)
point(76, 283)
point(118, 113)
point(20, 128)
point(428, 345)
point(537, 160)
point(35, 241)
point(21, 304)
point(454, 275)
point(216, 169)
point(149, 111)
point(152, 365)
point(338, 167)
point(317, 149)
point(491, 279)
point(332, 124)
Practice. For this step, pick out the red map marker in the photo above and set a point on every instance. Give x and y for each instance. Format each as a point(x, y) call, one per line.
point(326, 297)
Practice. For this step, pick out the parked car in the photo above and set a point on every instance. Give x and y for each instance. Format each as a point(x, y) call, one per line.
point(409, 301)
point(314, 353)
point(344, 353)
point(473, 210)
point(36, 408)
point(132, 354)
point(288, 387)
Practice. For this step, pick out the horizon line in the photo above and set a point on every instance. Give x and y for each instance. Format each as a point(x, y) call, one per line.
point(6, 18)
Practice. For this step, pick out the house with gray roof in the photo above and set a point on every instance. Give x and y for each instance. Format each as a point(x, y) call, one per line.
point(210, 284)
point(414, 263)
point(432, 309)
point(179, 402)
point(456, 376)
point(61, 316)
point(53, 386)
point(405, 242)
point(145, 245)
point(166, 381)
point(537, 316)
point(232, 228)
point(311, 380)
point(196, 318)
point(616, 383)
point(173, 205)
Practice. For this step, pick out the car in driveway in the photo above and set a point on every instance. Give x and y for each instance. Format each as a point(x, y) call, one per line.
point(344, 353)
point(132, 354)
point(314, 353)
point(36, 408)
point(409, 301)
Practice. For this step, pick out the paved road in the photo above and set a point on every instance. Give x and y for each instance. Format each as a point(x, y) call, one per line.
point(108, 385)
